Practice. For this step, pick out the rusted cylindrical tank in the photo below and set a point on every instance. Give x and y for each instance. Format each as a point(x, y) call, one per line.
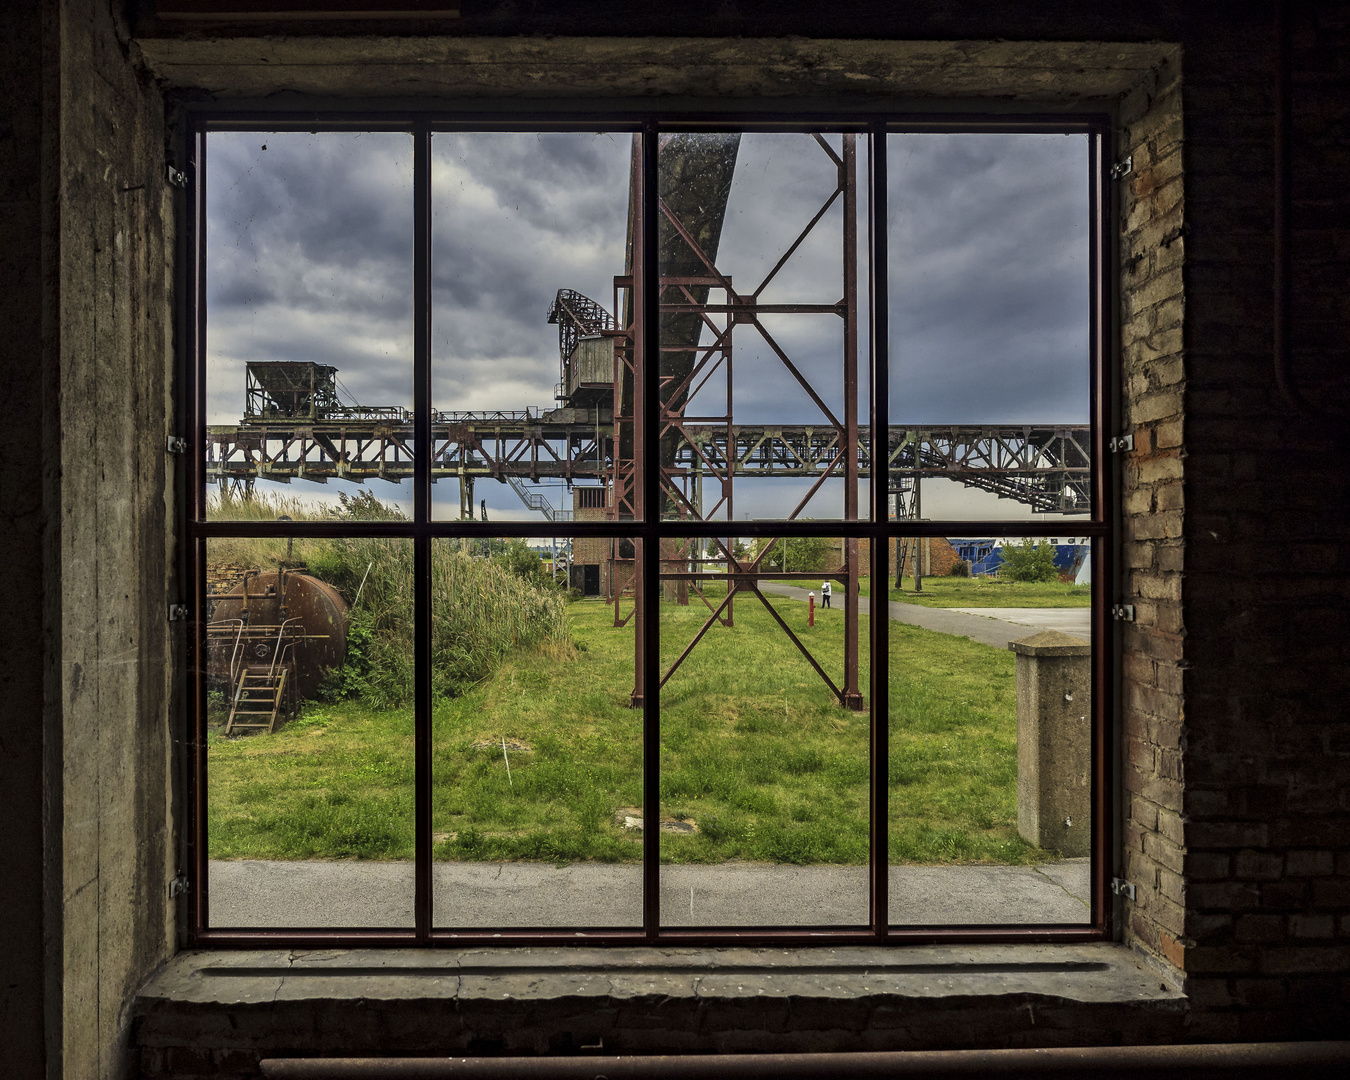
point(271, 598)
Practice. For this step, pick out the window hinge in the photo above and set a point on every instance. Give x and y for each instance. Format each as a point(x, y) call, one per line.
point(178, 612)
point(1123, 612)
point(1120, 443)
point(177, 444)
point(178, 886)
point(1121, 887)
point(1123, 167)
point(176, 177)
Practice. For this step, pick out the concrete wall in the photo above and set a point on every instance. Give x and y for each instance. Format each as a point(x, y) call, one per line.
point(87, 679)
point(1235, 746)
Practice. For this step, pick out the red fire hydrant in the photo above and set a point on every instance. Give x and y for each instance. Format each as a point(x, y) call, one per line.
point(811, 609)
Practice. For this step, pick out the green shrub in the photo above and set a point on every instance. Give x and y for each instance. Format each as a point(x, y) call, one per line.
point(1028, 562)
point(960, 568)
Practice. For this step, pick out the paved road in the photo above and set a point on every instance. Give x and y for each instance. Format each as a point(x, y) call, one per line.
point(992, 626)
point(257, 894)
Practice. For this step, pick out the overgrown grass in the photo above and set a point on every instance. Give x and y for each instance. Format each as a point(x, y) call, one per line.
point(755, 752)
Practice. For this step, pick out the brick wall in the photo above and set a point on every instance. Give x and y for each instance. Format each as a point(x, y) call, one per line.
point(222, 577)
point(1152, 251)
point(1266, 804)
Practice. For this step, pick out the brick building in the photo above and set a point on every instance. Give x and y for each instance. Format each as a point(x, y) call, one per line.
point(1233, 745)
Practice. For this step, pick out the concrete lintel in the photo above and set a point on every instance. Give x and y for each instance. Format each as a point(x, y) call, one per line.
point(646, 68)
point(652, 1000)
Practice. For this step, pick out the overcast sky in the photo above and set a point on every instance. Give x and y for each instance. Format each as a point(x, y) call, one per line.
point(310, 258)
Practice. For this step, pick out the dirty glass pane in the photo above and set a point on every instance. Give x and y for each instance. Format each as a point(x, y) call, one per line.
point(536, 744)
point(308, 367)
point(764, 764)
point(990, 307)
point(309, 744)
point(532, 342)
point(763, 348)
point(990, 731)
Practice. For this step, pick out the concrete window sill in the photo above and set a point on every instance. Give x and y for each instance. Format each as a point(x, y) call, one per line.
point(242, 1006)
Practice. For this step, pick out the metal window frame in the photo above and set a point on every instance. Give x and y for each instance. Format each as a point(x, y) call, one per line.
point(874, 126)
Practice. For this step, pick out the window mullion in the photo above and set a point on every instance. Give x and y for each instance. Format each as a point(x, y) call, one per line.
point(647, 318)
point(422, 542)
point(879, 628)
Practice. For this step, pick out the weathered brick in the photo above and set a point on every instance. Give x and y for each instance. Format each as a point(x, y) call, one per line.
point(1226, 834)
point(1224, 896)
point(1258, 865)
point(1305, 959)
point(1260, 928)
point(1207, 866)
point(1312, 926)
point(1331, 893)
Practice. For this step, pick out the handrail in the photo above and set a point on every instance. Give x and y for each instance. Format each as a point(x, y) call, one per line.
point(276, 651)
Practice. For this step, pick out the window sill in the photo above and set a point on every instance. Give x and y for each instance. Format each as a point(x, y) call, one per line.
point(242, 1006)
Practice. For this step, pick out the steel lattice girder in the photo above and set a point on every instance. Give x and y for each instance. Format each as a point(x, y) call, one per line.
point(1045, 466)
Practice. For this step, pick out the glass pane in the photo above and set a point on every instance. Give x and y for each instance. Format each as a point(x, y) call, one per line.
point(764, 763)
point(309, 241)
point(309, 732)
point(761, 383)
point(537, 746)
point(990, 731)
point(531, 334)
point(990, 345)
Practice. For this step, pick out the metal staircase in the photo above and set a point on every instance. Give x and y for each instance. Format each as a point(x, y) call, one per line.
point(535, 501)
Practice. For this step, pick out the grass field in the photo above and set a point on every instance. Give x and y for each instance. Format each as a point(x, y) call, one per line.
point(955, 592)
point(758, 760)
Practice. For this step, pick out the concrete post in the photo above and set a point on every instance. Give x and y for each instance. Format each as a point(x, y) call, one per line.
point(1054, 745)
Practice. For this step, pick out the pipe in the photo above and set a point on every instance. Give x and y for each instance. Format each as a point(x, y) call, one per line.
point(1307, 1060)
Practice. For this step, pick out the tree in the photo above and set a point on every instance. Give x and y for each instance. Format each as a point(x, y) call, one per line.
point(521, 561)
point(803, 554)
point(1028, 562)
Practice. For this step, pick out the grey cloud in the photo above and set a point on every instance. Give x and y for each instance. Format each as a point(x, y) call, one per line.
point(989, 278)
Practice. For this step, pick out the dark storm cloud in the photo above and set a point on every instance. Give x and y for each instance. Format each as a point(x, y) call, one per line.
point(309, 259)
point(516, 218)
point(989, 278)
point(310, 249)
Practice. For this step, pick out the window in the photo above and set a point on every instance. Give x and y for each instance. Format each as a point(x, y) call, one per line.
point(540, 514)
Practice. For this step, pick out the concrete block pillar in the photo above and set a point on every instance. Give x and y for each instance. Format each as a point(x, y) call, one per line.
point(1054, 744)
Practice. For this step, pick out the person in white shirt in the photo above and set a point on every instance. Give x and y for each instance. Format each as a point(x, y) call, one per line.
point(825, 595)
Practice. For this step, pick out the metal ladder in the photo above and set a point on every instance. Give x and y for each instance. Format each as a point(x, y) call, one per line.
point(259, 699)
point(263, 692)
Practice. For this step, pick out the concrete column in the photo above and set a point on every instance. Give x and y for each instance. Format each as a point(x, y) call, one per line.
point(1054, 745)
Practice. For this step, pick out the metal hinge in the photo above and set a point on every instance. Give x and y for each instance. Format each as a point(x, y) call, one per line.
point(177, 444)
point(1121, 887)
point(176, 177)
point(178, 613)
point(1122, 612)
point(1123, 167)
point(1120, 443)
point(178, 886)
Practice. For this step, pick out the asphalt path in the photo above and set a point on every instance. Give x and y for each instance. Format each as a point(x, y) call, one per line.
point(321, 894)
point(990, 626)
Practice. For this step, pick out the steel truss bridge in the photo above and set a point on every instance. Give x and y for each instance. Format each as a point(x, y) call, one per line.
point(1046, 467)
